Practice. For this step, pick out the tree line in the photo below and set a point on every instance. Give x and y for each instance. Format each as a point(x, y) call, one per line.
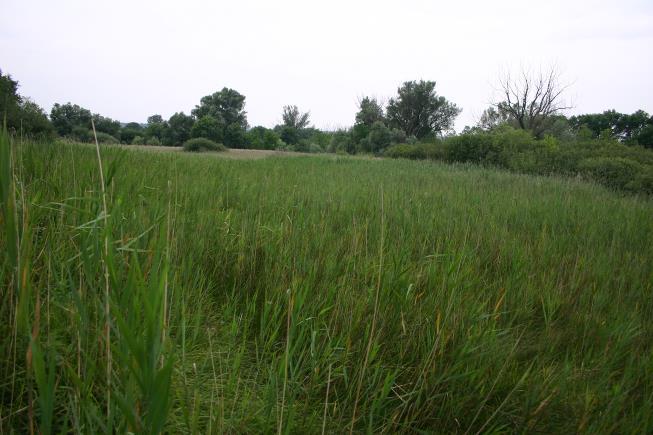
point(416, 114)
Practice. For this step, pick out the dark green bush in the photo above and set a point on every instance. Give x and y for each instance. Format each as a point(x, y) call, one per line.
point(604, 160)
point(81, 134)
point(476, 148)
point(415, 151)
point(643, 181)
point(200, 144)
point(404, 151)
point(138, 140)
point(106, 138)
point(314, 148)
point(617, 173)
point(128, 134)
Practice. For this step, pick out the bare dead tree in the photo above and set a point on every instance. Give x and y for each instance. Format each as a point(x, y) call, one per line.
point(531, 100)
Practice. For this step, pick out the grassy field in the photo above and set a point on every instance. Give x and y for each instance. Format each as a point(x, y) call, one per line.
point(317, 294)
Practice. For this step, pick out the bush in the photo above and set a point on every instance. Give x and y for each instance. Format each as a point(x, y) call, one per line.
point(106, 138)
point(138, 140)
point(405, 151)
point(153, 141)
point(282, 146)
point(476, 148)
point(643, 181)
point(342, 142)
point(81, 134)
point(315, 148)
point(418, 151)
point(603, 160)
point(617, 173)
point(200, 144)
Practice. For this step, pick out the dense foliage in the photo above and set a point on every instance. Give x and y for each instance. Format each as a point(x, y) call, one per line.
point(199, 144)
point(605, 160)
point(633, 129)
point(22, 116)
point(419, 111)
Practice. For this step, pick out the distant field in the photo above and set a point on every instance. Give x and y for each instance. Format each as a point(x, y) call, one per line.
point(233, 153)
point(318, 294)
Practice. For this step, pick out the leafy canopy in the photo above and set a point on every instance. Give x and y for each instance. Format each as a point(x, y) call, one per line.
point(419, 111)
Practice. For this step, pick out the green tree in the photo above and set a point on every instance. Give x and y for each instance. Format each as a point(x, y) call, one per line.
point(31, 120)
point(106, 125)
point(492, 118)
point(597, 122)
point(624, 127)
point(645, 136)
point(419, 111)
point(9, 98)
point(179, 129)
point(128, 134)
point(294, 127)
point(155, 119)
point(379, 138)
point(65, 117)
point(630, 126)
point(227, 108)
point(156, 128)
point(342, 142)
point(208, 127)
point(261, 138)
point(234, 136)
point(292, 117)
point(134, 125)
point(369, 112)
point(288, 134)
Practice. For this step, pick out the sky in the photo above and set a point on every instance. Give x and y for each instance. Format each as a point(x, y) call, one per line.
point(131, 59)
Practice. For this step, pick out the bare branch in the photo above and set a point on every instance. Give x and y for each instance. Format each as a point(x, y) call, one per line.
point(531, 100)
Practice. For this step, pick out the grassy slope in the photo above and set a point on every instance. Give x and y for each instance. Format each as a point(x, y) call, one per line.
point(420, 295)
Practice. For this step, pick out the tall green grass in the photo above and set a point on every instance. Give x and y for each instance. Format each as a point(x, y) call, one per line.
point(317, 294)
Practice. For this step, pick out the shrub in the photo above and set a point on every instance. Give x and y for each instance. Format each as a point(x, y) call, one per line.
point(405, 151)
point(315, 148)
point(105, 138)
point(477, 148)
point(282, 146)
point(643, 181)
point(418, 151)
point(128, 134)
point(153, 141)
point(617, 173)
point(342, 141)
point(81, 134)
point(138, 140)
point(200, 144)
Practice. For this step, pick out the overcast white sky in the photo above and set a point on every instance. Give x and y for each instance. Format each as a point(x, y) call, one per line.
point(131, 59)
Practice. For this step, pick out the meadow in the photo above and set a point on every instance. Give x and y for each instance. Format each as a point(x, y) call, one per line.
point(146, 292)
